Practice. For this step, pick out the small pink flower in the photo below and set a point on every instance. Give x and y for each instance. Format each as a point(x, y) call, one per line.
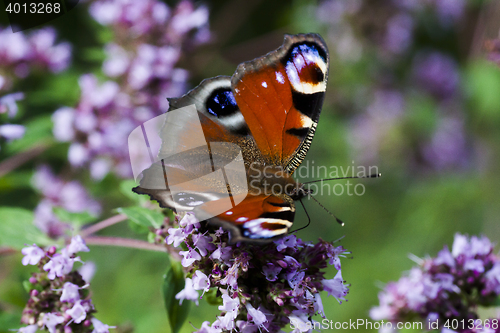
point(51, 320)
point(78, 312)
point(188, 292)
point(32, 255)
point(335, 287)
point(70, 293)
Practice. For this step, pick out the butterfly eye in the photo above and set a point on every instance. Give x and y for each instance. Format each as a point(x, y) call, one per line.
point(221, 103)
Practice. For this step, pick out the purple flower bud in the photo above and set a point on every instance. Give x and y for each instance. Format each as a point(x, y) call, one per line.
point(51, 251)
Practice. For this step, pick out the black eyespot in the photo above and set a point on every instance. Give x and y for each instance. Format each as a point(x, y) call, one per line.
point(318, 73)
point(221, 103)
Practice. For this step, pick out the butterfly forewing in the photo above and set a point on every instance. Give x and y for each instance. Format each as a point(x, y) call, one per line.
point(281, 95)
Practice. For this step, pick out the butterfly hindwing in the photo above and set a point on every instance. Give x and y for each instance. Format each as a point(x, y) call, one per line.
point(259, 217)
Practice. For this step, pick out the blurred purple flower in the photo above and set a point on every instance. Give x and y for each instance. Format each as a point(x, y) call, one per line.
point(87, 271)
point(11, 131)
point(449, 11)
point(436, 73)
point(139, 17)
point(369, 130)
point(29, 329)
point(448, 145)
point(142, 61)
point(20, 53)
point(8, 103)
point(399, 33)
point(450, 286)
point(71, 196)
point(45, 52)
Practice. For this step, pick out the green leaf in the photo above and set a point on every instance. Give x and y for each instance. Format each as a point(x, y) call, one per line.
point(173, 283)
point(96, 54)
point(27, 286)
point(212, 298)
point(143, 216)
point(60, 89)
point(16, 180)
point(126, 187)
point(38, 133)
point(482, 83)
point(73, 218)
point(138, 228)
point(151, 237)
point(17, 229)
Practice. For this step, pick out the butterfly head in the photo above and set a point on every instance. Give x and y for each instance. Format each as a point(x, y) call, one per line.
point(300, 192)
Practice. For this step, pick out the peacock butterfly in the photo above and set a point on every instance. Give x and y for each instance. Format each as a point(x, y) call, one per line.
point(263, 116)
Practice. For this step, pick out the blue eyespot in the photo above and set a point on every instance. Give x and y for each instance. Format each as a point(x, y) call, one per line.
point(221, 103)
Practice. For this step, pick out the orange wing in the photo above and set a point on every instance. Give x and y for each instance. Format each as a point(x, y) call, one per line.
point(280, 96)
point(256, 218)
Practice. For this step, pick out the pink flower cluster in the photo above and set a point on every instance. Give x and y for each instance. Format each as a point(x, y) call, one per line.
point(141, 72)
point(71, 196)
point(21, 54)
point(263, 287)
point(448, 287)
point(59, 298)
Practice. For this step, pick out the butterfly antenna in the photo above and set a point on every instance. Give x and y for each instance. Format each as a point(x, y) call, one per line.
point(375, 175)
point(339, 221)
point(308, 218)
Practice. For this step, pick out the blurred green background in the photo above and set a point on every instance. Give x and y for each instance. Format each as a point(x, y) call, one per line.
point(415, 208)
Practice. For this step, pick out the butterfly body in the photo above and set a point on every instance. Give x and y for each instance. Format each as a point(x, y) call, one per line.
point(267, 114)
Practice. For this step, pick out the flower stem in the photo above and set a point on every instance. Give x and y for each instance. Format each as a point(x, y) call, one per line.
point(103, 224)
point(7, 250)
point(123, 242)
point(19, 159)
